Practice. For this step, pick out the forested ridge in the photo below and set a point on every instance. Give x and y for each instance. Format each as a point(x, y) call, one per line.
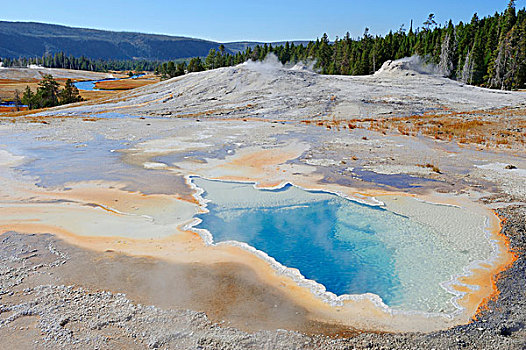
point(32, 39)
point(61, 60)
point(489, 51)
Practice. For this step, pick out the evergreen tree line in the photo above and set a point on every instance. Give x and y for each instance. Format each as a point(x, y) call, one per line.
point(49, 94)
point(215, 59)
point(61, 60)
point(487, 52)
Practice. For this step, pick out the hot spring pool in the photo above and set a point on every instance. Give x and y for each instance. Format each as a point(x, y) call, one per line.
point(407, 257)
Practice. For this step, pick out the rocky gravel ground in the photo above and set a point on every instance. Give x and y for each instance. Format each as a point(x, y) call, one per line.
point(36, 311)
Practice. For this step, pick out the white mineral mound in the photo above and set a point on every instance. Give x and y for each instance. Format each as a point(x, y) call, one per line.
point(270, 90)
point(407, 66)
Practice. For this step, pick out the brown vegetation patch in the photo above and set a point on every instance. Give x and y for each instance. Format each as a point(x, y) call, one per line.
point(8, 87)
point(125, 84)
point(95, 95)
point(489, 129)
point(498, 128)
point(9, 109)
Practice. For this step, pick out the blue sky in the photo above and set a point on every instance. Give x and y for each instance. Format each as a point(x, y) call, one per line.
point(235, 20)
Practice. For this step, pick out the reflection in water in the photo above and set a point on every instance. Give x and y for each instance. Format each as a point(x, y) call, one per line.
point(56, 163)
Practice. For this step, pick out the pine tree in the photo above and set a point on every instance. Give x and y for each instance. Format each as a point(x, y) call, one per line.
point(28, 98)
point(70, 93)
point(324, 52)
point(211, 59)
point(195, 65)
point(47, 92)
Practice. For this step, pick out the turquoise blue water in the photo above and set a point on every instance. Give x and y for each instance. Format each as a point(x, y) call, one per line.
point(343, 255)
point(88, 85)
point(348, 247)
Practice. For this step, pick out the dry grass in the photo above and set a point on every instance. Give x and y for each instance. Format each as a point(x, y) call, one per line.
point(9, 109)
point(8, 87)
point(499, 128)
point(94, 95)
point(126, 84)
point(490, 129)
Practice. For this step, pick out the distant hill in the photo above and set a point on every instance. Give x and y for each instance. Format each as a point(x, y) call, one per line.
point(243, 45)
point(30, 39)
